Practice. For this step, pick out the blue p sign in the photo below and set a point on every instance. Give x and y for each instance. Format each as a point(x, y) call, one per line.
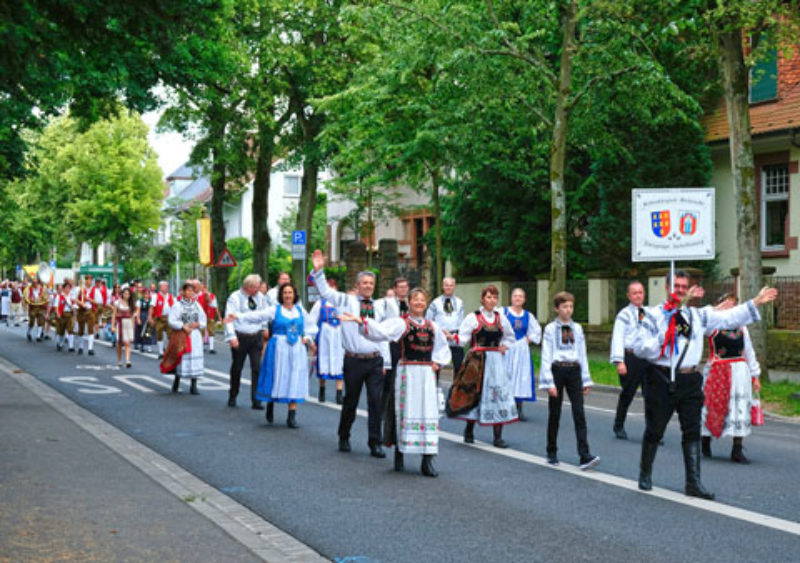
point(299, 237)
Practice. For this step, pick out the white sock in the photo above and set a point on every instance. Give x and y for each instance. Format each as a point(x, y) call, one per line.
point(210, 342)
point(71, 341)
point(41, 332)
point(160, 347)
point(90, 341)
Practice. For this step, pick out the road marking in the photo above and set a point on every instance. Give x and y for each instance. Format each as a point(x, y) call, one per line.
point(130, 380)
point(264, 540)
point(737, 513)
point(89, 386)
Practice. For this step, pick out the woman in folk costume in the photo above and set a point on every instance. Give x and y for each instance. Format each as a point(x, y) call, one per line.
point(124, 317)
point(330, 350)
point(518, 358)
point(423, 350)
point(732, 373)
point(284, 369)
point(184, 353)
point(483, 389)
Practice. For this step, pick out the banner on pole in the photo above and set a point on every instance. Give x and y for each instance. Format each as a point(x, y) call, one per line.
point(672, 224)
point(204, 241)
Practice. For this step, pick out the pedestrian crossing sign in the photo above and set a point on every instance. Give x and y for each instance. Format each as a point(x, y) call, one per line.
point(225, 260)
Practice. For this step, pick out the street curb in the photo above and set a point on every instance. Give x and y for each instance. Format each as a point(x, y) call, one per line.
point(264, 540)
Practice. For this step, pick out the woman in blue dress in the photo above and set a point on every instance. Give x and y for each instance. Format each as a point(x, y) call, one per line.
point(518, 358)
point(330, 350)
point(284, 369)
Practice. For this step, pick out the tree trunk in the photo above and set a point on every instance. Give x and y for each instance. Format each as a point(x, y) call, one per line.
point(261, 186)
point(734, 79)
point(219, 276)
point(305, 215)
point(558, 206)
point(437, 217)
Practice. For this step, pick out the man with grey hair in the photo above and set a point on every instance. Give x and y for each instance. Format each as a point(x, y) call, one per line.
point(245, 337)
point(365, 362)
point(447, 311)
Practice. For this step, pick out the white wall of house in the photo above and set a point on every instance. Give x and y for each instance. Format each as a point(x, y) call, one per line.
point(726, 236)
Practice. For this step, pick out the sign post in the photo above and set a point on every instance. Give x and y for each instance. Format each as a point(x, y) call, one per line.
point(299, 253)
point(672, 224)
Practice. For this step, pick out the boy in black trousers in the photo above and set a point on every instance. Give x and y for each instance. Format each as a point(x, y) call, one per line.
point(564, 366)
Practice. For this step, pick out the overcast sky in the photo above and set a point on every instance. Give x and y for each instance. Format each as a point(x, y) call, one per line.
point(171, 148)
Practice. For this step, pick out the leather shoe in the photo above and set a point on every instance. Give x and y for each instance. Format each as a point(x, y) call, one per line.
point(377, 451)
point(344, 445)
point(231, 402)
point(257, 406)
point(620, 433)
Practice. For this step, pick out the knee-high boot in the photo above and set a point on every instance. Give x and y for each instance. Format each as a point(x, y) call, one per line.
point(176, 383)
point(649, 450)
point(691, 459)
point(427, 467)
point(193, 389)
point(398, 459)
point(469, 432)
point(736, 453)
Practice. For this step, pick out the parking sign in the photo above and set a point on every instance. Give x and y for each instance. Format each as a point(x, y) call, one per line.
point(299, 237)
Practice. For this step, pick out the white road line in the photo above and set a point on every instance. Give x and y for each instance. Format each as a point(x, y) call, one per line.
point(737, 513)
point(264, 540)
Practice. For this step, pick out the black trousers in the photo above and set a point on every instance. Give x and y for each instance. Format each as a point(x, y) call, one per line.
point(457, 352)
point(357, 373)
point(660, 402)
point(249, 347)
point(569, 379)
point(630, 383)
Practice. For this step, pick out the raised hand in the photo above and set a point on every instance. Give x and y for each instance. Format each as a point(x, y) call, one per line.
point(766, 295)
point(317, 260)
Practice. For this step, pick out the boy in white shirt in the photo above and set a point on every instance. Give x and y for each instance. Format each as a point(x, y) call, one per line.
point(564, 366)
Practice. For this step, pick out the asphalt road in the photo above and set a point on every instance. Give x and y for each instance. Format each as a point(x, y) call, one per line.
point(483, 507)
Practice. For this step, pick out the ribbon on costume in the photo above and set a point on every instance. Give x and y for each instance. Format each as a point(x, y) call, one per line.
point(671, 308)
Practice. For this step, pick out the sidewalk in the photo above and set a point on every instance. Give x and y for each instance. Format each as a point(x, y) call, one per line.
point(66, 495)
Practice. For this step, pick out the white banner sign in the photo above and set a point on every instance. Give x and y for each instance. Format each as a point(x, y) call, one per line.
point(672, 224)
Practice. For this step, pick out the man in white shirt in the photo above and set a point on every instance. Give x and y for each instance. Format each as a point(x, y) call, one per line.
point(675, 332)
point(246, 337)
point(629, 368)
point(365, 362)
point(447, 311)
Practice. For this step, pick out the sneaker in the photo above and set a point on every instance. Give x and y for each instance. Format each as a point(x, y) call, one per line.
point(589, 462)
point(552, 460)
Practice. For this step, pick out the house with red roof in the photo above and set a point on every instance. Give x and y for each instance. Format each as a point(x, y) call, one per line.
point(775, 127)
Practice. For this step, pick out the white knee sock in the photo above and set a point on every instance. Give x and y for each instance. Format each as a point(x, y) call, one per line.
point(160, 347)
point(71, 341)
point(90, 342)
point(210, 342)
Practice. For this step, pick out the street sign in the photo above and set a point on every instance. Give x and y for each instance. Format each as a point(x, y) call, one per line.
point(298, 251)
point(672, 224)
point(225, 260)
point(298, 237)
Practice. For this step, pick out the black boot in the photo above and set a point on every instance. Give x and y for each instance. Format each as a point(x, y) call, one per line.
point(270, 412)
point(321, 393)
point(707, 446)
point(649, 450)
point(290, 420)
point(193, 388)
point(498, 436)
point(427, 467)
point(176, 383)
point(398, 459)
point(469, 433)
point(736, 452)
point(339, 397)
point(522, 417)
point(691, 459)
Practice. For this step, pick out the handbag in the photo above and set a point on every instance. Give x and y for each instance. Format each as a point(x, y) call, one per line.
point(756, 412)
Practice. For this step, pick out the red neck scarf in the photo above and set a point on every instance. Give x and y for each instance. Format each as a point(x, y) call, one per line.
point(671, 308)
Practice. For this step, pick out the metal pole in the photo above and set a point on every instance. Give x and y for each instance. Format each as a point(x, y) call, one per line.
point(177, 270)
point(303, 281)
point(672, 351)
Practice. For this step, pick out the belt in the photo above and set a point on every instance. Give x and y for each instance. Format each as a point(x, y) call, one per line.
point(369, 356)
point(566, 365)
point(240, 335)
point(629, 350)
point(665, 369)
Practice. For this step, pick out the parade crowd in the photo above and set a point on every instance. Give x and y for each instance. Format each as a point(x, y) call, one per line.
point(395, 346)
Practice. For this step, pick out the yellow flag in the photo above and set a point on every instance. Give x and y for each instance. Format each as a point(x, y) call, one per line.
point(204, 241)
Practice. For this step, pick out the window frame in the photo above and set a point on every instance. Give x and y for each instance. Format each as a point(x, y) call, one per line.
point(766, 199)
point(299, 180)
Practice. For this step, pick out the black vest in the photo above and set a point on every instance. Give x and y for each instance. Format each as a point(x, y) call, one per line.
point(487, 335)
point(417, 342)
point(728, 344)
